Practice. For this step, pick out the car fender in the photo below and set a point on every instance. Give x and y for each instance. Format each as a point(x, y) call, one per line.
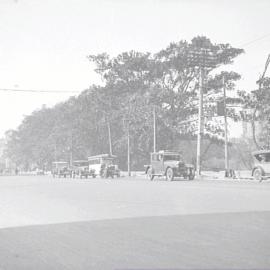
point(190, 166)
point(258, 167)
point(147, 167)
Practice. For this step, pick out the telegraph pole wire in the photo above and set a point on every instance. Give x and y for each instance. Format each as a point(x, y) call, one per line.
point(38, 90)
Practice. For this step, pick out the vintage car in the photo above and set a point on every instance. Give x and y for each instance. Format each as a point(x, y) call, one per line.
point(109, 170)
point(261, 168)
point(104, 165)
point(39, 171)
point(81, 169)
point(169, 164)
point(61, 168)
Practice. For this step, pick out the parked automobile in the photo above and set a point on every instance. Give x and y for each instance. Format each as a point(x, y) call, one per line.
point(61, 168)
point(81, 169)
point(39, 171)
point(169, 164)
point(104, 165)
point(109, 170)
point(261, 168)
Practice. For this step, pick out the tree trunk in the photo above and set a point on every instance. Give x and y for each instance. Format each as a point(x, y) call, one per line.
point(253, 125)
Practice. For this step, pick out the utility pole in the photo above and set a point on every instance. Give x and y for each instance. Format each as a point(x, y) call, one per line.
point(225, 129)
point(200, 123)
point(155, 138)
point(71, 158)
point(71, 150)
point(260, 81)
point(127, 121)
point(55, 152)
point(110, 138)
point(128, 146)
point(204, 59)
point(107, 122)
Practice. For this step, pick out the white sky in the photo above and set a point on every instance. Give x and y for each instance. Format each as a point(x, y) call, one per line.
point(44, 43)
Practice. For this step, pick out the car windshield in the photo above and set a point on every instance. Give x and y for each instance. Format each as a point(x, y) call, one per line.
point(60, 165)
point(81, 163)
point(107, 161)
point(171, 157)
point(265, 157)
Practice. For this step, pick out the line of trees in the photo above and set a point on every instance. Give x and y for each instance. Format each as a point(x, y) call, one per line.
point(133, 84)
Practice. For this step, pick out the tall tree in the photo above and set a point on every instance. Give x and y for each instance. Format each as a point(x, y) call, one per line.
point(134, 83)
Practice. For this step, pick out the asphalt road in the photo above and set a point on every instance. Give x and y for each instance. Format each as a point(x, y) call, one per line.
point(131, 223)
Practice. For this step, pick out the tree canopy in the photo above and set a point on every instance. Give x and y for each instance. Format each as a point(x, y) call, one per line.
point(257, 112)
point(134, 83)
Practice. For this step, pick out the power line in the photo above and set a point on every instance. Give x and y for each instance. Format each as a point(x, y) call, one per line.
point(37, 91)
point(254, 40)
point(76, 91)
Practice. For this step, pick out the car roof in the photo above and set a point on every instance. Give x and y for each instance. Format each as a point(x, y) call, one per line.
point(259, 152)
point(102, 156)
point(167, 152)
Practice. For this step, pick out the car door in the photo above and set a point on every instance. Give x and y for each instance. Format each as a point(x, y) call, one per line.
point(155, 162)
point(265, 163)
point(159, 164)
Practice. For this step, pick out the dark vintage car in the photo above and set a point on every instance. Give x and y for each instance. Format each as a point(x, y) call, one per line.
point(81, 169)
point(61, 168)
point(261, 168)
point(109, 170)
point(169, 164)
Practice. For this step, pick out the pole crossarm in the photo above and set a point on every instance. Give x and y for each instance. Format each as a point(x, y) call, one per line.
point(204, 58)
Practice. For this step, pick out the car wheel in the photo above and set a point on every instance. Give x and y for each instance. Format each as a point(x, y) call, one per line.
point(257, 174)
point(150, 175)
point(169, 174)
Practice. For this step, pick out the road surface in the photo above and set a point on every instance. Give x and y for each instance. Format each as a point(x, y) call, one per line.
point(132, 223)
